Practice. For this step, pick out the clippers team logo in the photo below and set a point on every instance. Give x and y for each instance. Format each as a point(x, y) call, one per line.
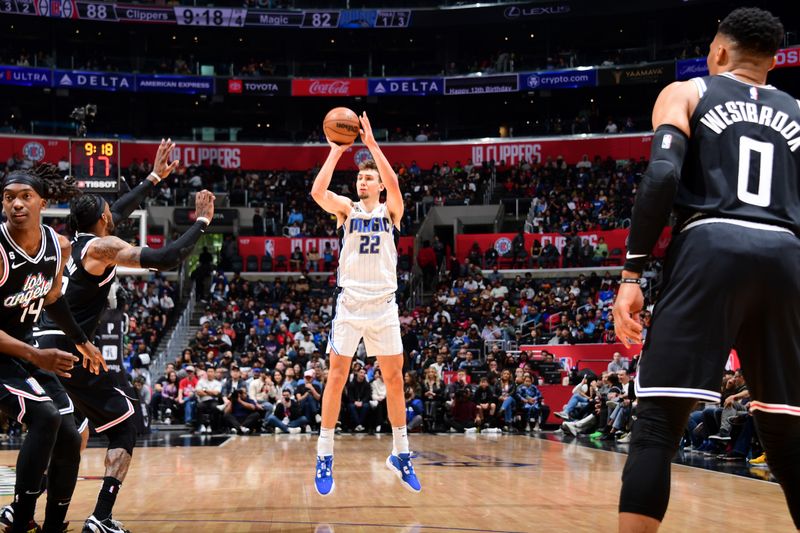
point(35, 286)
point(33, 151)
point(361, 156)
point(502, 245)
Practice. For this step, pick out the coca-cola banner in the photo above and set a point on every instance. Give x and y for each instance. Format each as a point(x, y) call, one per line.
point(284, 246)
point(502, 242)
point(304, 156)
point(330, 87)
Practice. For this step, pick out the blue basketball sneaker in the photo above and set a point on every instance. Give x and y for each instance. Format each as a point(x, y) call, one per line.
point(404, 470)
point(323, 480)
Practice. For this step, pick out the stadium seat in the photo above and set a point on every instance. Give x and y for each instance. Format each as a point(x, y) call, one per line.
point(266, 263)
point(252, 263)
point(280, 266)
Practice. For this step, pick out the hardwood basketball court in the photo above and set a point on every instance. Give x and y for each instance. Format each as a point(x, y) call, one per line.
point(488, 483)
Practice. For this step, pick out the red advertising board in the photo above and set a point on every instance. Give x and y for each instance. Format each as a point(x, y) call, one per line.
point(502, 241)
point(304, 156)
point(330, 87)
point(788, 57)
point(284, 246)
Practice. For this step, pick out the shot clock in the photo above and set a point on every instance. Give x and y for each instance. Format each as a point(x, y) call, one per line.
point(95, 164)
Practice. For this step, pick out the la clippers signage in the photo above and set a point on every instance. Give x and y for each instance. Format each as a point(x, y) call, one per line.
point(788, 57)
point(234, 156)
point(330, 87)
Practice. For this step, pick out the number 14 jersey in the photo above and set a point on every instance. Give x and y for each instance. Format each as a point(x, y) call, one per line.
point(368, 253)
point(25, 281)
point(743, 160)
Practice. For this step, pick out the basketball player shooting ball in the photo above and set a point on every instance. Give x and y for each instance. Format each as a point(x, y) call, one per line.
point(365, 299)
point(725, 158)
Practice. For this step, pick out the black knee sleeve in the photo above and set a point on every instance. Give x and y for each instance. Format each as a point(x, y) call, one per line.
point(43, 420)
point(656, 434)
point(780, 437)
point(122, 436)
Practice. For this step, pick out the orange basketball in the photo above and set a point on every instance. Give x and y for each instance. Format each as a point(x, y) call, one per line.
point(341, 125)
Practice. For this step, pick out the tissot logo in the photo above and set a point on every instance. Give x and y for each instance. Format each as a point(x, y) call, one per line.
point(98, 184)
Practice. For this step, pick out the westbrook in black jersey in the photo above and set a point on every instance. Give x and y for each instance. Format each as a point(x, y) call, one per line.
point(32, 259)
point(88, 276)
point(726, 160)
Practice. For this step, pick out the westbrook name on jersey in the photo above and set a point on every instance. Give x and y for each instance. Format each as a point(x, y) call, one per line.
point(368, 253)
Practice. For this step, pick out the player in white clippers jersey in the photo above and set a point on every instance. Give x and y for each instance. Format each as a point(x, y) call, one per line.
point(365, 304)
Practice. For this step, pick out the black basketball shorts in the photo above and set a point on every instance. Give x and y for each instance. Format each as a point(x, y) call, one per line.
point(727, 284)
point(105, 399)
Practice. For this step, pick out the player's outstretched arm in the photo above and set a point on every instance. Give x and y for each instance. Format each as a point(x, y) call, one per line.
point(331, 202)
point(113, 251)
point(58, 309)
point(394, 197)
point(162, 167)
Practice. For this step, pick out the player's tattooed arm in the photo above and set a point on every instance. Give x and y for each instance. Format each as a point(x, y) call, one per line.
point(110, 250)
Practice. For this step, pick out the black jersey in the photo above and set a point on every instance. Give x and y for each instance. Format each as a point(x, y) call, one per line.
point(86, 294)
point(743, 160)
point(26, 281)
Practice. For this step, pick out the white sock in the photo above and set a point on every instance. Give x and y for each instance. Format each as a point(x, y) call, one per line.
point(325, 442)
point(399, 440)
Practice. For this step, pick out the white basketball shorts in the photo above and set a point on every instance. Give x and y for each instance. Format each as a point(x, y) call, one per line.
point(377, 322)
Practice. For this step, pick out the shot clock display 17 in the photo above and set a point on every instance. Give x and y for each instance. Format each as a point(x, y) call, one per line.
point(95, 164)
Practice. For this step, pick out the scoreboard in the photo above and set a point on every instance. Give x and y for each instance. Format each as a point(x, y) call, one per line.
point(94, 163)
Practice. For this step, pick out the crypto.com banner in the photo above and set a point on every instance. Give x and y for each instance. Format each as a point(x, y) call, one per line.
point(304, 156)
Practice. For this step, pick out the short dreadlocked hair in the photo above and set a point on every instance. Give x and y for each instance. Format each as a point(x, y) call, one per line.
point(54, 186)
point(753, 30)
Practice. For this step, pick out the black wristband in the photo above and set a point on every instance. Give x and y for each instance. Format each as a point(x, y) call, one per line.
point(637, 281)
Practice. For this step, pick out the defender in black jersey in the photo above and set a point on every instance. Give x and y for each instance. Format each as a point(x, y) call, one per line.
point(726, 160)
point(88, 276)
point(31, 265)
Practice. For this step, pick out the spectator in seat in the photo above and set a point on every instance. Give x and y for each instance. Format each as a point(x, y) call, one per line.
point(186, 395)
point(530, 398)
point(518, 252)
point(258, 223)
point(309, 396)
point(327, 257)
point(312, 260)
point(474, 254)
point(242, 414)
point(458, 385)
point(549, 256)
point(617, 363)
point(579, 399)
point(414, 410)
point(486, 401)
point(536, 253)
point(433, 395)
point(295, 217)
point(262, 390)
point(164, 402)
point(378, 400)
point(734, 405)
point(358, 397)
point(600, 251)
point(463, 413)
point(287, 417)
point(490, 257)
point(209, 389)
point(426, 259)
point(296, 260)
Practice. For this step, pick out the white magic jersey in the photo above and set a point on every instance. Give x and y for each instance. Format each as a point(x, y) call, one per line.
point(368, 253)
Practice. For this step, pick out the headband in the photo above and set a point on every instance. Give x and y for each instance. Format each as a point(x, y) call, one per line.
point(25, 179)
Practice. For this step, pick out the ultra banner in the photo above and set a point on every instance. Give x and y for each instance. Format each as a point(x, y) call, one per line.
point(305, 156)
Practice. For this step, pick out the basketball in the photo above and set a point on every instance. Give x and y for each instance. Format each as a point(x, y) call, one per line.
point(341, 125)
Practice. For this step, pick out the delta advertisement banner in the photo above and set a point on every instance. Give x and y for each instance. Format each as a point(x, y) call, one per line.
point(26, 76)
point(502, 241)
point(561, 79)
point(330, 87)
point(461, 85)
point(651, 73)
point(276, 246)
point(96, 81)
point(301, 157)
point(165, 83)
point(405, 86)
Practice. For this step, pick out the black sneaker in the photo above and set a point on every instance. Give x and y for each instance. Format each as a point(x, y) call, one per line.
point(7, 521)
point(109, 525)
